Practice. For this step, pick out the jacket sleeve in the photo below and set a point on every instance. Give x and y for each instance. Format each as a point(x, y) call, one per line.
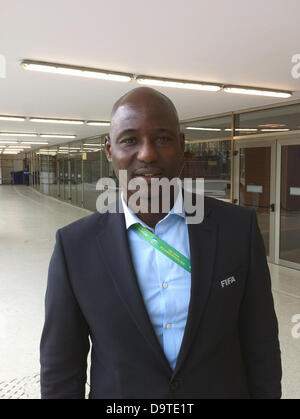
point(65, 339)
point(258, 325)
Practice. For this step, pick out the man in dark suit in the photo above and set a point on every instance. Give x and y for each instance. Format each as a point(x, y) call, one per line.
point(206, 329)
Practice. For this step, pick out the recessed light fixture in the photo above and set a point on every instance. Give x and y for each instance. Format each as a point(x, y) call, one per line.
point(12, 118)
point(180, 84)
point(70, 70)
point(203, 129)
point(99, 123)
point(57, 121)
point(57, 136)
point(257, 91)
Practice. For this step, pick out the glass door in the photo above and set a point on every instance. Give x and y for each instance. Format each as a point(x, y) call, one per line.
point(76, 183)
point(61, 186)
point(255, 185)
point(67, 180)
point(288, 201)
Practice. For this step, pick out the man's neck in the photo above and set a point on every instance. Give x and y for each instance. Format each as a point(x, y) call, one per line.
point(152, 218)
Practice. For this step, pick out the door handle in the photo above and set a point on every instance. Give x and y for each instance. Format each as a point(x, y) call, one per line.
point(272, 207)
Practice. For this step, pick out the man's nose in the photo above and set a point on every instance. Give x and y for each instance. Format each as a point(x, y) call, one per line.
point(147, 152)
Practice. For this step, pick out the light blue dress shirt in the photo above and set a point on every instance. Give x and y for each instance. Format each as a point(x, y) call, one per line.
point(165, 286)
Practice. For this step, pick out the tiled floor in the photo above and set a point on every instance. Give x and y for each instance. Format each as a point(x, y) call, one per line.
point(28, 224)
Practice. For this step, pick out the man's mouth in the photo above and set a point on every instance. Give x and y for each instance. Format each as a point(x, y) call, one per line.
point(148, 174)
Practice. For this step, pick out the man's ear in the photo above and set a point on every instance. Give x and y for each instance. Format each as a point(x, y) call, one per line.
point(107, 147)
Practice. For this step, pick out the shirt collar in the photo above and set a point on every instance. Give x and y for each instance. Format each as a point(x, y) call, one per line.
point(131, 218)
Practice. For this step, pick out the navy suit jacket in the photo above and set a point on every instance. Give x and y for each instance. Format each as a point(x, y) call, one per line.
point(230, 347)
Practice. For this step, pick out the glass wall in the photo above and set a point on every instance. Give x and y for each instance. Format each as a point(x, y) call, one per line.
point(211, 161)
point(268, 121)
point(91, 175)
point(208, 154)
point(70, 172)
point(290, 204)
point(255, 186)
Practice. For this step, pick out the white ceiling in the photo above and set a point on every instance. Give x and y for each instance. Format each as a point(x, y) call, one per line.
point(248, 42)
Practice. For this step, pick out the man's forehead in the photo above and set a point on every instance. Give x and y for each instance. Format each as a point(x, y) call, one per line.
point(130, 117)
point(136, 112)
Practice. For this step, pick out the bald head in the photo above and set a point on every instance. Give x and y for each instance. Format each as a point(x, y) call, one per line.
point(142, 96)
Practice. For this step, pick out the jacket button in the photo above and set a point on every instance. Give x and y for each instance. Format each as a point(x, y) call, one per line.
point(174, 385)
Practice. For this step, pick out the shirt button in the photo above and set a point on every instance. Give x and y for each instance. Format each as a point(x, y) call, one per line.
point(168, 326)
point(165, 285)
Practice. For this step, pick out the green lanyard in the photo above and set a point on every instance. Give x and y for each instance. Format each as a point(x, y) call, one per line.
point(163, 247)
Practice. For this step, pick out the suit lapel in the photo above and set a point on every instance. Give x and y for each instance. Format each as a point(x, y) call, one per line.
point(203, 240)
point(115, 254)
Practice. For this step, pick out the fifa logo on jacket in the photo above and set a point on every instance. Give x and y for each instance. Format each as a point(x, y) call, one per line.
point(228, 281)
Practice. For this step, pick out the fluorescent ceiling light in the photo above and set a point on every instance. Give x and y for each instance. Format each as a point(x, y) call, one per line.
point(257, 92)
point(272, 125)
point(10, 152)
point(203, 129)
point(57, 121)
point(8, 142)
point(246, 129)
point(96, 73)
point(275, 130)
point(18, 147)
point(13, 147)
point(98, 123)
point(94, 145)
point(242, 129)
point(57, 136)
point(34, 143)
point(70, 70)
point(18, 134)
point(180, 84)
point(92, 149)
point(69, 148)
point(11, 118)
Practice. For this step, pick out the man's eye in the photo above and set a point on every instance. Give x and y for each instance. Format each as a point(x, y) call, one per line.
point(128, 141)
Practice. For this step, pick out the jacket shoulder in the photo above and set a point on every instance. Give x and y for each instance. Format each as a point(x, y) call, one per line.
point(88, 225)
point(227, 209)
point(82, 226)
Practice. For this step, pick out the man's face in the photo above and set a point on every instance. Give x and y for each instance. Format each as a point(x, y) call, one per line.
point(145, 140)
